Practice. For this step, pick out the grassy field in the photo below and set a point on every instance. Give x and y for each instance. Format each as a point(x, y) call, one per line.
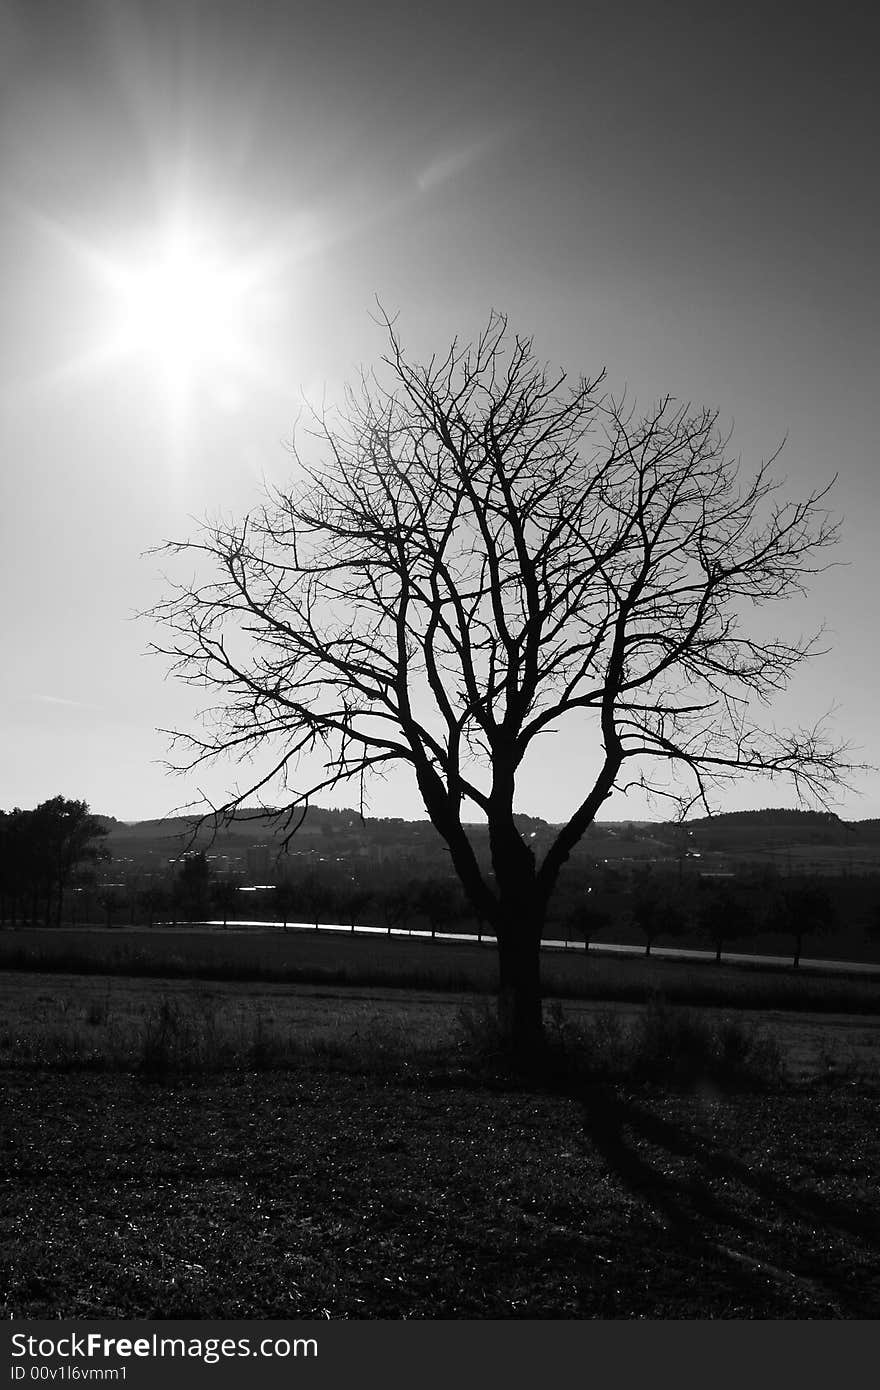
point(341, 958)
point(280, 1147)
point(197, 1026)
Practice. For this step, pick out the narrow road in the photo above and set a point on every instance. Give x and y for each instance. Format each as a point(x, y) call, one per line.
point(600, 947)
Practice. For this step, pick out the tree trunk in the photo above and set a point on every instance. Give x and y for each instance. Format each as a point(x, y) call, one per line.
point(520, 1015)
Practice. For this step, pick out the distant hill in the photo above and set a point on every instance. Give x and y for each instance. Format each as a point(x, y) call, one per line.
point(810, 827)
point(250, 845)
point(774, 815)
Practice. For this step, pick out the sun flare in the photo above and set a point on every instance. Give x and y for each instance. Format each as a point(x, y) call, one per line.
point(182, 305)
point(189, 307)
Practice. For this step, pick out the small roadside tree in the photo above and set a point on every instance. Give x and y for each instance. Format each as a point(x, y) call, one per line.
point(192, 888)
point(354, 900)
point(723, 914)
point(583, 920)
point(318, 893)
point(112, 899)
point(154, 899)
point(475, 555)
point(226, 896)
point(284, 900)
point(803, 908)
point(396, 901)
point(658, 908)
point(438, 900)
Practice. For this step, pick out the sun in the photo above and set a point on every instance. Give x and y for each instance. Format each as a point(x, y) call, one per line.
point(192, 308)
point(182, 304)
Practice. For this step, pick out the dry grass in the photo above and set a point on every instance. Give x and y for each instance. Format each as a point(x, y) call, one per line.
point(336, 959)
point(53, 1020)
point(179, 1148)
point(140, 1024)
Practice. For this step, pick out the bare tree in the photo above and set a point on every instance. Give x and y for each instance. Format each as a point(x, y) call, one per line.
point(226, 897)
point(803, 908)
point(478, 554)
point(658, 907)
point(284, 900)
point(582, 921)
point(724, 913)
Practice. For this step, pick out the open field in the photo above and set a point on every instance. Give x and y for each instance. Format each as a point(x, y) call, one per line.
point(326, 1195)
point(109, 1022)
point(340, 958)
point(402, 1185)
point(272, 1149)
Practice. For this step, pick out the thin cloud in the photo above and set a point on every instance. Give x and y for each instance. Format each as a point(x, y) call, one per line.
point(60, 700)
point(453, 162)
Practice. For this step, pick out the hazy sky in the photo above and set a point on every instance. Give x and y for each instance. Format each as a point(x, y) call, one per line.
point(685, 193)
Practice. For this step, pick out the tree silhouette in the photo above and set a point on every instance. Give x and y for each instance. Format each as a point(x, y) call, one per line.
point(724, 913)
point(42, 852)
point(658, 907)
point(583, 920)
point(225, 897)
point(317, 893)
point(396, 901)
point(192, 887)
point(802, 909)
point(154, 898)
point(284, 900)
point(477, 554)
point(13, 871)
point(439, 900)
point(112, 900)
point(353, 901)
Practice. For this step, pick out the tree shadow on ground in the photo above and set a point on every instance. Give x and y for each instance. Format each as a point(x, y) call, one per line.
point(799, 1249)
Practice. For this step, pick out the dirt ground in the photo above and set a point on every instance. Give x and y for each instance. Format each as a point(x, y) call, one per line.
point(318, 1193)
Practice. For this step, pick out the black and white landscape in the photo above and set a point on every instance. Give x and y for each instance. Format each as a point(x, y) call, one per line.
point(439, 818)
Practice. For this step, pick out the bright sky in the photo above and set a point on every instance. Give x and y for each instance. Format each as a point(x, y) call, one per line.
point(200, 202)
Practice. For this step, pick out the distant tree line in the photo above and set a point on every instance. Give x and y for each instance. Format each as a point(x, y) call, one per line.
point(719, 911)
point(315, 893)
point(658, 904)
point(49, 872)
point(44, 853)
